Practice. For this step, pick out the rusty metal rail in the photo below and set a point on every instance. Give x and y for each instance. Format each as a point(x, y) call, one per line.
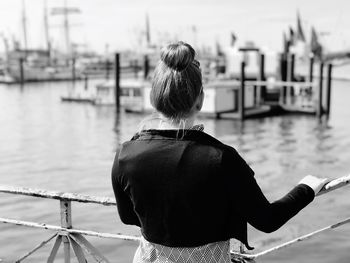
point(74, 239)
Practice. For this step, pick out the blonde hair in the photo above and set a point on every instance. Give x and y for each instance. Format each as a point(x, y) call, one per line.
point(177, 82)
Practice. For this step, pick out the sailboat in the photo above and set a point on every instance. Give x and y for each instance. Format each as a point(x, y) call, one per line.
point(38, 64)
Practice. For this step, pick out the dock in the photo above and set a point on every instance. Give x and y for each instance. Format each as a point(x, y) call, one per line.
point(240, 98)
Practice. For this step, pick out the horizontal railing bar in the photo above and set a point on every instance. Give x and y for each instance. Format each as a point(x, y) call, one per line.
point(291, 242)
point(332, 185)
point(68, 230)
point(57, 195)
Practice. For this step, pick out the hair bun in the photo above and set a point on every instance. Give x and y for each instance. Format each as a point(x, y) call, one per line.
point(178, 56)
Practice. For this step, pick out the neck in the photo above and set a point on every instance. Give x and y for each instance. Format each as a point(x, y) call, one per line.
point(166, 123)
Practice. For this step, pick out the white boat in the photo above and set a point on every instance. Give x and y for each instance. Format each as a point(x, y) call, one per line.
point(132, 97)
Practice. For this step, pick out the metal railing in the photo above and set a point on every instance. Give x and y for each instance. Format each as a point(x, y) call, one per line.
point(71, 238)
point(74, 238)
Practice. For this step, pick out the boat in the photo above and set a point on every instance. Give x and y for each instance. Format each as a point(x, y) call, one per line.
point(132, 94)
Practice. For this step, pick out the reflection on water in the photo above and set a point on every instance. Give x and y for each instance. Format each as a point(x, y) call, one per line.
point(48, 144)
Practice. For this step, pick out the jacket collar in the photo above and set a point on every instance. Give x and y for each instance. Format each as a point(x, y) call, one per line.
point(182, 135)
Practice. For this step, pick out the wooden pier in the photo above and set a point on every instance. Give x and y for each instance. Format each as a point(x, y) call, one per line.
point(256, 98)
point(241, 98)
point(285, 96)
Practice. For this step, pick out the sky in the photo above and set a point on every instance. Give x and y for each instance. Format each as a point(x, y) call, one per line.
point(119, 24)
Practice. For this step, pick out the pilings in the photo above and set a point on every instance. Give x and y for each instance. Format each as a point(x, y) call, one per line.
point(146, 67)
point(74, 69)
point(117, 81)
point(261, 89)
point(319, 110)
point(21, 68)
point(283, 77)
point(290, 77)
point(329, 87)
point(86, 82)
point(296, 94)
point(108, 68)
point(241, 100)
point(311, 69)
point(321, 100)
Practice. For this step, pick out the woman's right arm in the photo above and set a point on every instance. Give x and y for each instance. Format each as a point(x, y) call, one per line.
point(124, 204)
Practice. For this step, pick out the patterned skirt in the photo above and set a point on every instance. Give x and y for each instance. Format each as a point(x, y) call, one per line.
point(217, 252)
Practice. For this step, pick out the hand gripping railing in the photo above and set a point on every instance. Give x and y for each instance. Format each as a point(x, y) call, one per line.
point(74, 238)
point(332, 185)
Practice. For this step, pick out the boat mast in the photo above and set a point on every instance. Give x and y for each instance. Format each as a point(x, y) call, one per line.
point(24, 25)
point(148, 32)
point(66, 11)
point(47, 36)
point(6, 44)
point(66, 27)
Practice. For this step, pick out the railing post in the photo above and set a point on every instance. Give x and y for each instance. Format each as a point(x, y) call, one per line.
point(66, 222)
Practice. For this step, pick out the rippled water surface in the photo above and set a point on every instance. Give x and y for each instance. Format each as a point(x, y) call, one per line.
point(48, 144)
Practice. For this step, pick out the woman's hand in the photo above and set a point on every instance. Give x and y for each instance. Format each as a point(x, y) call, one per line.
point(314, 182)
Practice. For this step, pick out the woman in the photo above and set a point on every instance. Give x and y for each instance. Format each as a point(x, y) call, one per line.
point(188, 192)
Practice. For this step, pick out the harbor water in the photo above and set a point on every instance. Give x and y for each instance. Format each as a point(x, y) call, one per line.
point(70, 147)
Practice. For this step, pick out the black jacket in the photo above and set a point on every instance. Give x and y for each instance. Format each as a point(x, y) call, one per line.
point(188, 189)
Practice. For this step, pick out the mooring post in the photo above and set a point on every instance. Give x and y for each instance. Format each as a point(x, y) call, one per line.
point(311, 69)
point(283, 72)
point(320, 91)
point(136, 66)
point(241, 92)
point(21, 68)
point(73, 69)
point(86, 82)
point(66, 222)
point(117, 81)
point(108, 64)
point(292, 75)
point(146, 67)
point(261, 92)
point(329, 87)
point(288, 92)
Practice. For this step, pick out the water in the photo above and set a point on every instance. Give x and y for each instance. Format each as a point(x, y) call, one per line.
point(48, 144)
